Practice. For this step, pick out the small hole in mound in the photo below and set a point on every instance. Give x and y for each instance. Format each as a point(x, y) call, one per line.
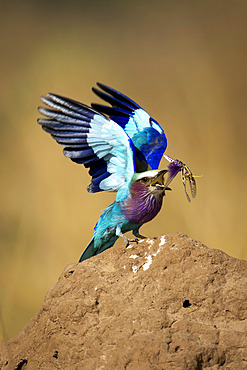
point(55, 354)
point(69, 273)
point(21, 364)
point(186, 303)
point(96, 302)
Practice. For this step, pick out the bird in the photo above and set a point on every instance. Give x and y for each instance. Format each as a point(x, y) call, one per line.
point(122, 145)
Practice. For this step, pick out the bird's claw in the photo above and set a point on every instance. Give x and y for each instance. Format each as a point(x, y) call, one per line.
point(128, 241)
point(139, 235)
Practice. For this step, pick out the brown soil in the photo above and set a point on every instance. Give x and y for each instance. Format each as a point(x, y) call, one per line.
point(166, 303)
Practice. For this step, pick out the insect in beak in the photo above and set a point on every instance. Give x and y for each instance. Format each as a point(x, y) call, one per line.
point(186, 176)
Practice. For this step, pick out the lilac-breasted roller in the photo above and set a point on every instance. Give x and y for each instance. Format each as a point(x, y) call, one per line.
point(122, 146)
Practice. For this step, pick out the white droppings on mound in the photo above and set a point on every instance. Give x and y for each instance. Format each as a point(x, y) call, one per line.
point(141, 240)
point(149, 258)
point(148, 263)
point(150, 243)
point(135, 269)
point(158, 251)
point(162, 240)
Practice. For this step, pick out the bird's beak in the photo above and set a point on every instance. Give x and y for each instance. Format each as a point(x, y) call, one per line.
point(158, 180)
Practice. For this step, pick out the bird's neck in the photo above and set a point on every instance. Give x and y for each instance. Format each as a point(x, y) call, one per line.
point(142, 205)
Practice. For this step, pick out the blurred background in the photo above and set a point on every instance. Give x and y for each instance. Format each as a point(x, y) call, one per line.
point(182, 61)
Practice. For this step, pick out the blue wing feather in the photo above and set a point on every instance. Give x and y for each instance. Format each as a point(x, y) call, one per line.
point(146, 134)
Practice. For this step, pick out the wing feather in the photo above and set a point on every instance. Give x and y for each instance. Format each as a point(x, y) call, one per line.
point(91, 139)
point(146, 134)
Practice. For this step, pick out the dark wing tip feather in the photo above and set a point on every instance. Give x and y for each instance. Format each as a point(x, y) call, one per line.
point(67, 102)
point(111, 111)
point(117, 95)
point(115, 102)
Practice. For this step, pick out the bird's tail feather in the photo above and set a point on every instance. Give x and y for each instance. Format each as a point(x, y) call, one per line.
point(91, 251)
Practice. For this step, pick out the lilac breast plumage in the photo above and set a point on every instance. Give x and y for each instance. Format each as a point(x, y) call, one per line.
point(142, 205)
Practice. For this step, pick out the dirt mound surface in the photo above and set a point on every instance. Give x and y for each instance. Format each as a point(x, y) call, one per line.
point(167, 303)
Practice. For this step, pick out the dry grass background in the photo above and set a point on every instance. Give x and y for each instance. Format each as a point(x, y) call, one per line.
point(183, 61)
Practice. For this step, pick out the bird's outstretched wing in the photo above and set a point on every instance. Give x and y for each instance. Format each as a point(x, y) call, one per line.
point(90, 139)
point(146, 133)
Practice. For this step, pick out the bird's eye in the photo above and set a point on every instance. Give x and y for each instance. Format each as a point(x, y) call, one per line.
point(143, 180)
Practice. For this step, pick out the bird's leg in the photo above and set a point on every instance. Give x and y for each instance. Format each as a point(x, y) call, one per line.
point(127, 240)
point(138, 235)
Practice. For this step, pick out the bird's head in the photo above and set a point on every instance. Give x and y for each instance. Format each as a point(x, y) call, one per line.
point(151, 181)
point(147, 190)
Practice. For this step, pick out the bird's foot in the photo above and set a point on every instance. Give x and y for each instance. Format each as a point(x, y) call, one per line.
point(133, 240)
point(128, 240)
point(136, 233)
